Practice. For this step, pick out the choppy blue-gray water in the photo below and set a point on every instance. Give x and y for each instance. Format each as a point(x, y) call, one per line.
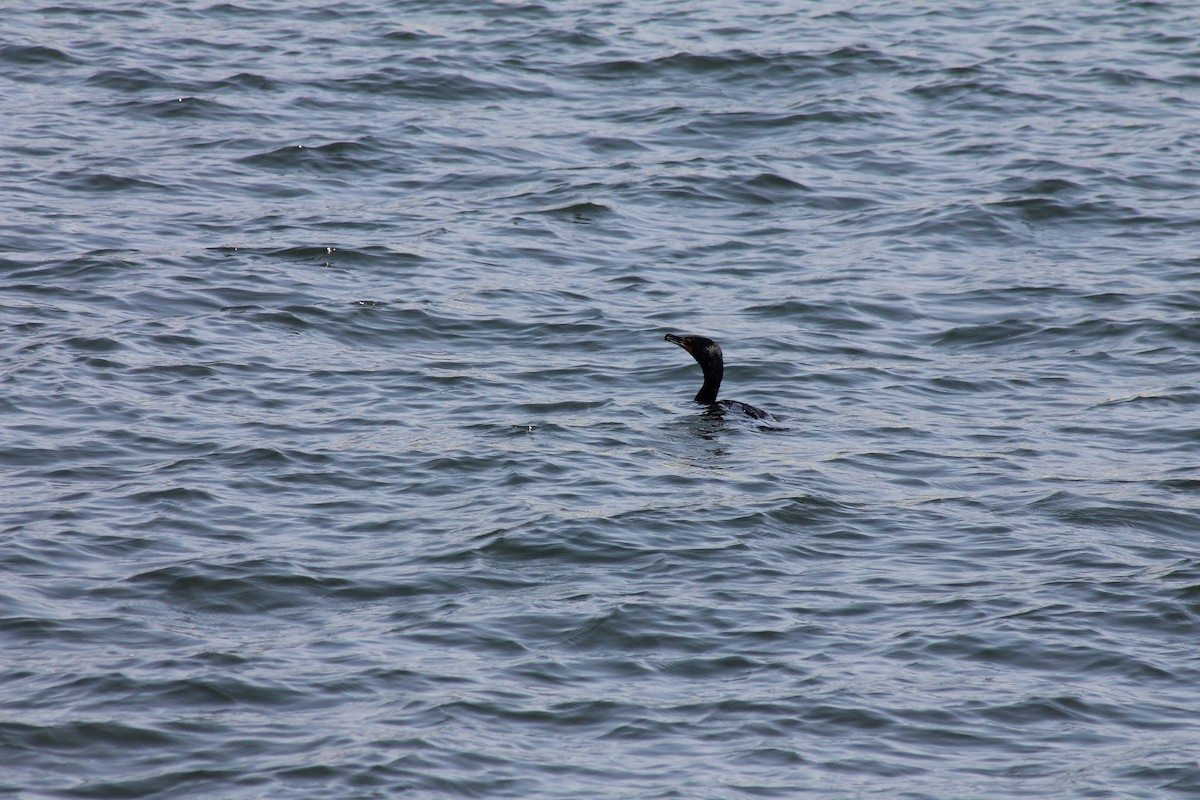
point(343, 455)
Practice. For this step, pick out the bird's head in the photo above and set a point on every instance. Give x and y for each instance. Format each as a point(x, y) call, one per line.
point(703, 349)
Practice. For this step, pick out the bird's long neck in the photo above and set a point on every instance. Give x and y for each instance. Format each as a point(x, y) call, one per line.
point(712, 382)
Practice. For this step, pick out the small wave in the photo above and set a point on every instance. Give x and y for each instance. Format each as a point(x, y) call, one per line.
point(333, 157)
point(38, 55)
point(107, 183)
point(433, 85)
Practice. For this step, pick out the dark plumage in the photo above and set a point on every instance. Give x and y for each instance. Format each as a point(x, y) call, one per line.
point(712, 361)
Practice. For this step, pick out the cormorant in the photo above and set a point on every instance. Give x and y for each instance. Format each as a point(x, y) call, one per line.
point(710, 358)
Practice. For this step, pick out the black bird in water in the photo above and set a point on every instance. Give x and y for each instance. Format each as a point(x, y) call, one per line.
point(710, 358)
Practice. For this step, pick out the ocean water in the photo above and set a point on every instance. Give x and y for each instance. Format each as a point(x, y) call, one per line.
point(343, 455)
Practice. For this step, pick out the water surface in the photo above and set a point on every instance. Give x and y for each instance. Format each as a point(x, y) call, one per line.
point(343, 455)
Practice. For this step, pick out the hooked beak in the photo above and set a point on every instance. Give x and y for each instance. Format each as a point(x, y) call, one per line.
point(679, 340)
